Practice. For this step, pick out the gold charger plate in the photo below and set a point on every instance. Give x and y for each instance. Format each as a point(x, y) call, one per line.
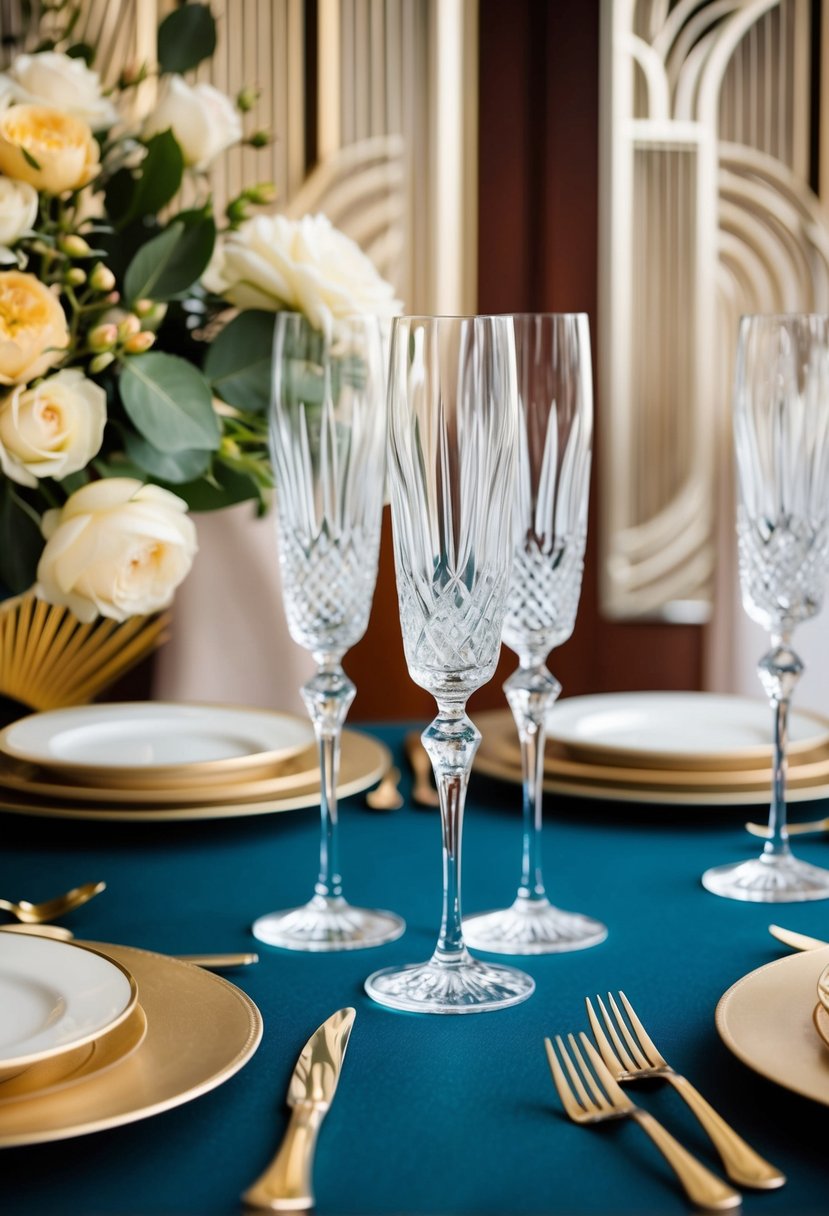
point(200, 1031)
point(364, 761)
point(765, 1019)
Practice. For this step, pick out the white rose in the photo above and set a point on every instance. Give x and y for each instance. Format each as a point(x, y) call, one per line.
point(116, 547)
point(52, 79)
point(18, 209)
point(306, 265)
point(204, 121)
point(53, 429)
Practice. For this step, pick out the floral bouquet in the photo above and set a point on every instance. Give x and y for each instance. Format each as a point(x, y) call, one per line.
point(136, 331)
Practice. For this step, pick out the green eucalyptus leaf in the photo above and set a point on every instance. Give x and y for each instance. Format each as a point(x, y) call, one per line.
point(185, 38)
point(21, 543)
point(169, 402)
point(130, 196)
point(228, 486)
point(171, 262)
point(173, 467)
point(238, 362)
point(82, 50)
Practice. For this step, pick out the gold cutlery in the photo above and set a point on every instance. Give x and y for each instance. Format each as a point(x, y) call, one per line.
point(608, 1101)
point(53, 931)
point(50, 909)
point(423, 791)
point(634, 1055)
point(797, 941)
point(286, 1183)
point(793, 829)
point(386, 796)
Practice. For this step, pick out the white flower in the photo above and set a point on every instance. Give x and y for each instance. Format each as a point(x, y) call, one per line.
point(18, 209)
point(116, 547)
point(52, 79)
point(204, 121)
point(53, 429)
point(306, 265)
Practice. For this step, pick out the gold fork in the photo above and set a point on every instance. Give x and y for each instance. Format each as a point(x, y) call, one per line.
point(634, 1055)
point(609, 1102)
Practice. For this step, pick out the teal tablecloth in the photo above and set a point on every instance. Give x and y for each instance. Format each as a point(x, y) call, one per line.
point(434, 1115)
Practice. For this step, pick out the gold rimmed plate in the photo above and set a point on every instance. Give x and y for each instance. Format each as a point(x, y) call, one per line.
point(200, 1031)
point(364, 760)
point(820, 1017)
point(766, 1020)
point(79, 1063)
point(293, 774)
point(155, 743)
point(684, 730)
point(56, 996)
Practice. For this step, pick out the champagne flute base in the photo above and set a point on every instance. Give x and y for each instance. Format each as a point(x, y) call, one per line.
point(532, 927)
point(325, 925)
point(772, 878)
point(467, 986)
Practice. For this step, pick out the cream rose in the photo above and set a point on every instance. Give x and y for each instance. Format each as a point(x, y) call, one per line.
point(204, 121)
point(307, 265)
point(51, 430)
point(18, 209)
point(33, 330)
point(52, 79)
point(60, 151)
point(116, 547)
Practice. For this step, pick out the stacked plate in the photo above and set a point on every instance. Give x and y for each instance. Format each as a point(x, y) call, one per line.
point(93, 1035)
point(674, 748)
point(155, 760)
point(768, 1019)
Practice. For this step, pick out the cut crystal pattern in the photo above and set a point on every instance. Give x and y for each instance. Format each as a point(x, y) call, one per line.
point(544, 593)
point(782, 571)
point(328, 587)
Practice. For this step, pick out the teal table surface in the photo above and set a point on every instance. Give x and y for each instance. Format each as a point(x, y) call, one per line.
point(434, 1115)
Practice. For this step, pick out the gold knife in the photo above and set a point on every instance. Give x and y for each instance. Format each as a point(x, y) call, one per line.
point(797, 941)
point(286, 1183)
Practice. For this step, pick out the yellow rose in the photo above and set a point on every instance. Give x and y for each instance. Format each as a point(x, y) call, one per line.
point(33, 330)
point(116, 547)
point(51, 150)
point(53, 429)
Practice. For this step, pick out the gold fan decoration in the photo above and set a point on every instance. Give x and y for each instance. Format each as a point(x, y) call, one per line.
point(49, 659)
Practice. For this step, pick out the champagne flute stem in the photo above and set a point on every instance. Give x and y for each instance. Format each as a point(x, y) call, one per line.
point(530, 691)
point(779, 671)
point(451, 741)
point(328, 696)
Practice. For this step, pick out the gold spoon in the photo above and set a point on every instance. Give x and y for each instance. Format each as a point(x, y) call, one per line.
point(386, 797)
point(50, 909)
point(423, 792)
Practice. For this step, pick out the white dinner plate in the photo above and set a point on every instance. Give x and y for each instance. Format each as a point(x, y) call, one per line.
point(55, 996)
point(686, 727)
point(155, 739)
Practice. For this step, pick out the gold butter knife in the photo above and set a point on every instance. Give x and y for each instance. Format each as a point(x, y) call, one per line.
point(286, 1183)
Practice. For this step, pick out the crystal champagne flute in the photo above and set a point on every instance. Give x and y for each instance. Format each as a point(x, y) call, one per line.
point(555, 432)
point(452, 439)
point(781, 435)
point(327, 439)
